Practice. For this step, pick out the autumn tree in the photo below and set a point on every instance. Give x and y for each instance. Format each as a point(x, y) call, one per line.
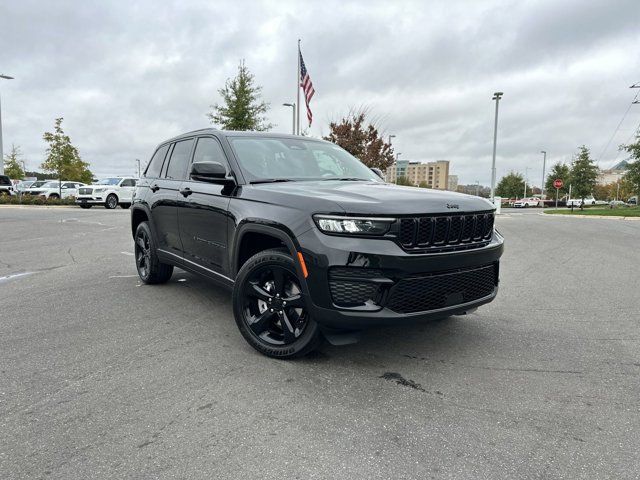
point(558, 171)
point(584, 175)
point(510, 186)
point(242, 107)
point(12, 166)
point(361, 139)
point(62, 158)
point(632, 176)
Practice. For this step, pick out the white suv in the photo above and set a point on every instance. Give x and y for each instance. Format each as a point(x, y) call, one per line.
point(109, 192)
point(53, 189)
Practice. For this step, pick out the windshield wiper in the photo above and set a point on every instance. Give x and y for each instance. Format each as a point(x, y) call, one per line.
point(271, 180)
point(347, 179)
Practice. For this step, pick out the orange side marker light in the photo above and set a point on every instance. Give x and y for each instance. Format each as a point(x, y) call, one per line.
point(303, 265)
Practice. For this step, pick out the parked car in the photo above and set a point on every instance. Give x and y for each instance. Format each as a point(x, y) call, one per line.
point(633, 200)
point(617, 203)
point(576, 202)
point(310, 240)
point(526, 202)
point(22, 185)
point(34, 186)
point(6, 186)
point(109, 192)
point(52, 189)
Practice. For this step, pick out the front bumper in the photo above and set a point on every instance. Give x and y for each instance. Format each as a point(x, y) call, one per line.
point(92, 199)
point(387, 285)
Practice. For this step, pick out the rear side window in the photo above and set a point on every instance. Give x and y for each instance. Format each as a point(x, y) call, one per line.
point(209, 150)
point(4, 180)
point(155, 165)
point(128, 183)
point(177, 168)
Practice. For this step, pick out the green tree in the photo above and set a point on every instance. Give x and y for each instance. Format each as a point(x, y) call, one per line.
point(242, 107)
point(404, 181)
point(62, 158)
point(558, 171)
point(632, 177)
point(12, 166)
point(510, 186)
point(584, 174)
point(362, 140)
point(423, 184)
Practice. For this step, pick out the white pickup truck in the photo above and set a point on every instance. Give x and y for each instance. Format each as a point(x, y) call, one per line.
point(110, 192)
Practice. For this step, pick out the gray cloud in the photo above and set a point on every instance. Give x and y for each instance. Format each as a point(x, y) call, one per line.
point(127, 75)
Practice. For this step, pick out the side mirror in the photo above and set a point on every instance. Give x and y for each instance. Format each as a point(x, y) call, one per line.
point(212, 172)
point(378, 172)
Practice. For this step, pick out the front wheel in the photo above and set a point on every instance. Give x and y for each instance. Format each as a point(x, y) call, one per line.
point(111, 202)
point(150, 269)
point(270, 307)
point(85, 205)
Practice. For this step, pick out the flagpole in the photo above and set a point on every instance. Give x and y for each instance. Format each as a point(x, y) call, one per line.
point(298, 93)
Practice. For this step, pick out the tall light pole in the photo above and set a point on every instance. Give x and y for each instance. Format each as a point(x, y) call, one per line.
point(477, 188)
point(138, 162)
point(5, 77)
point(526, 175)
point(293, 107)
point(390, 137)
point(496, 97)
point(544, 168)
point(397, 156)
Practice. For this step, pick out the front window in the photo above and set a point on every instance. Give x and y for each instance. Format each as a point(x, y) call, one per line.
point(264, 158)
point(109, 181)
point(51, 185)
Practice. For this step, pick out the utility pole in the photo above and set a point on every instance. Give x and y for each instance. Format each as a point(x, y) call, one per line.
point(297, 109)
point(526, 174)
point(5, 77)
point(496, 97)
point(293, 108)
point(544, 167)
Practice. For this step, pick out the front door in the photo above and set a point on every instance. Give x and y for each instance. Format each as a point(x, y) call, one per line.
point(202, 213)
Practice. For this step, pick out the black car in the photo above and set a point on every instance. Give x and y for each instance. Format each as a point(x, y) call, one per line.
point(312, 242)
point(6, 186)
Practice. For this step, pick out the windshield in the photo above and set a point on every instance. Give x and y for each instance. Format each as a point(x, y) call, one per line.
point(50, 185)
point(109, 181)
point(37, 184)
point(297, 159)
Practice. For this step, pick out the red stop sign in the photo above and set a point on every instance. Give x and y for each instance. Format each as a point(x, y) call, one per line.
point(558, 183)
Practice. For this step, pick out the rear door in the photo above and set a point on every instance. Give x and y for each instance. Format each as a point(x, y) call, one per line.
point(203, 212)
point(126, 188)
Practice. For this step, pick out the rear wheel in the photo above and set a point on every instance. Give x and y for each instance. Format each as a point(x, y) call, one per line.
point(270, 308)
point(150, 269)
point(53, 195)
point(84, 205)
point(125, 205)
point(111, 202)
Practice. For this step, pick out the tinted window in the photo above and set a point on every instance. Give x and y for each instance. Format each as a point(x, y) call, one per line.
point(155, 165)
point(209, 150)
point(177, 168)
point(4, 180)
point(128, 183)
point(69, 185)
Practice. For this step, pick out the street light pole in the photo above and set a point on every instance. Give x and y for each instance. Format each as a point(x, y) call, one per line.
point(496, 97)
point(544, 168)
point(390, 137)
point(477, 188)
point(5, 77)
point(526, 174)
point(293, 107)
point(397, 156)
point(138, 161)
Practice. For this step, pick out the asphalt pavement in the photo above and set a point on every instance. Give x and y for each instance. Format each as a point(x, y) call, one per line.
point(103, 377)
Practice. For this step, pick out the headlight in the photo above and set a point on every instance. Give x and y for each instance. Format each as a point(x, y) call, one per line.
point(353, 225)
point(99, 190)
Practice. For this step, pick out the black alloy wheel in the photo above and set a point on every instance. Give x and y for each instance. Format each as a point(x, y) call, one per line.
point(150, 269)
point(143, 254)
point(270, 307)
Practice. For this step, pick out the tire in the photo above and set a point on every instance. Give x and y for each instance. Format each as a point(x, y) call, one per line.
point(125, 206)
point(84, 205)
point(53, 195)
point(269, 279)
point(150, 269)
point(111, 202)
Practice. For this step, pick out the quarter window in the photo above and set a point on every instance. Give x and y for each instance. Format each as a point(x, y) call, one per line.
point(177, 168)
point(155, 165)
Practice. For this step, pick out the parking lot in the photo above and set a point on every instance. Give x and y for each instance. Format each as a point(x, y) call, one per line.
point(102, 377)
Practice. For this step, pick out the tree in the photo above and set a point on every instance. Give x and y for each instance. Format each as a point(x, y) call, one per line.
point(632, 177)
point(404, 181)
point(510, 186)
point(584, 175)
point(364, 143)
point(242, 107)
point(63, 158)
point(423, 184)
point(558, 171)
point(12, 166)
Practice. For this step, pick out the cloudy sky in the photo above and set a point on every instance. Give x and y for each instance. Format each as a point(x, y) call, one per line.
point(126, 75)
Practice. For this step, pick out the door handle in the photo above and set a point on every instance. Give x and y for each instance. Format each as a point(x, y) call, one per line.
point(154, 188)
point(186, 191)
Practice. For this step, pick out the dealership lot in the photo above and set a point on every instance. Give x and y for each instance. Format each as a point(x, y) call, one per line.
point(102, 377)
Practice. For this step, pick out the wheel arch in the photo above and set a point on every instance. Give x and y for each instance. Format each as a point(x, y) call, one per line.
point(139, 214)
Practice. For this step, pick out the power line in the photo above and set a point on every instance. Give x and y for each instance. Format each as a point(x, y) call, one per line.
point(634, 101)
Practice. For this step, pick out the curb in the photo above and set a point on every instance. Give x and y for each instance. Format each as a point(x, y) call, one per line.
point(38, 206)
point(605, 217)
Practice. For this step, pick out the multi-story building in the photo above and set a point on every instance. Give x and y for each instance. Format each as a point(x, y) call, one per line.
point(433, 174)
point(453, 183)
point(614, 174)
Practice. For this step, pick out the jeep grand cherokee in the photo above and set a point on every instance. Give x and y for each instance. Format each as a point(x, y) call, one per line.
point(312, 242)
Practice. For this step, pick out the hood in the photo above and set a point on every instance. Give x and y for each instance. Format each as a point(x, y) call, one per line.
point(373, 198)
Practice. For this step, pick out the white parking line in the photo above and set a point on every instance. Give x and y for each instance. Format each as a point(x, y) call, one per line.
point(122, 276)
point(15, 275)
point(127, 253)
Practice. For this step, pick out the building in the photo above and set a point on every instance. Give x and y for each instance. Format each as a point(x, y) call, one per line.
point(612, 175)
point(453, 183)
point(433, 174)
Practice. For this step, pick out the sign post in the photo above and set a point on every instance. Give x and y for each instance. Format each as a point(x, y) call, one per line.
point(558, 183)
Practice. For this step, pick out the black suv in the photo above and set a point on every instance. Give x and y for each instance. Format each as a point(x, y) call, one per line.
point(313, 243)
point(6, 187)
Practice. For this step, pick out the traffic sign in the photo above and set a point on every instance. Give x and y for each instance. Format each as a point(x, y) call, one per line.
point(558, 183)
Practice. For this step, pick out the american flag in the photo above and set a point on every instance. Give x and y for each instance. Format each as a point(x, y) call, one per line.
point(307, 86)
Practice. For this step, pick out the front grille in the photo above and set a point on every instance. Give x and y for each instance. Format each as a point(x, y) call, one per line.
point(440, 290)
point(446, 231)
point(348, 291)
point(85, 191)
